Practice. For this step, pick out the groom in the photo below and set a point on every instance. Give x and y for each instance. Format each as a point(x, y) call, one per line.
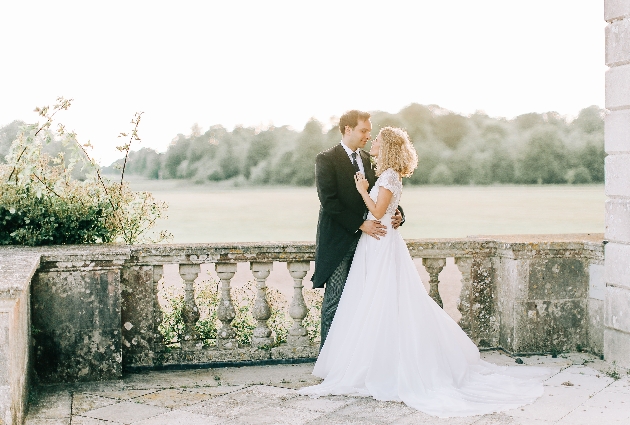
point(342, 212)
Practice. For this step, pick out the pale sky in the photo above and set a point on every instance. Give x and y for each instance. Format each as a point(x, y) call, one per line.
point(258, 63)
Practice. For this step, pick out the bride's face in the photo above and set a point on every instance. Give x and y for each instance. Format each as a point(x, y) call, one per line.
point(376, 146)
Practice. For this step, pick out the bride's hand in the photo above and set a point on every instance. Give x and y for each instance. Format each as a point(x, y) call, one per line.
point(361, 182)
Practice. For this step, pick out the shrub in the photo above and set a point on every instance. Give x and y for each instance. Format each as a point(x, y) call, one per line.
point(43, 203)
point(172, 325)
point(312, 321)
point(26, 219)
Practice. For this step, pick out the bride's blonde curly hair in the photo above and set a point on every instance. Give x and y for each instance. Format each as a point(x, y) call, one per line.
point(396, 152)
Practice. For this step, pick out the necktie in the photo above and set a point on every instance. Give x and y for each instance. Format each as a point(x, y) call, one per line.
point(354, 161)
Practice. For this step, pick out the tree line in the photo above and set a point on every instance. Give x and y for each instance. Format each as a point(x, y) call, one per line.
point(532, 148)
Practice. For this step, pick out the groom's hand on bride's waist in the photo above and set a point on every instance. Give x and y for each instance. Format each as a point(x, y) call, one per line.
point(373, 228)
point(397, 219)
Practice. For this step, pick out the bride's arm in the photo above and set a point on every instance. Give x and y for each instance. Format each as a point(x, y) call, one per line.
point(379, 207)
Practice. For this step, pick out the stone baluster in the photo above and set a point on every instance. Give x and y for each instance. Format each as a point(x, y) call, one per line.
point(191, 340)
point(226, 336)
point(464, 264)
point(262, 312)
point(158, 339)
point(434, 266)
point(298, 336)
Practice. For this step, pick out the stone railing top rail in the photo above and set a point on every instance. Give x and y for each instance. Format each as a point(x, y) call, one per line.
point(552, 238)
point(17, 263)
point(590, 245)
point(16, 271)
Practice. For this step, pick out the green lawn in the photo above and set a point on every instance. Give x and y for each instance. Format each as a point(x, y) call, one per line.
point(212, 214)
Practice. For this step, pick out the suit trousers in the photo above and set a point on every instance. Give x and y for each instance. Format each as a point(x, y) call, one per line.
point(333, 290)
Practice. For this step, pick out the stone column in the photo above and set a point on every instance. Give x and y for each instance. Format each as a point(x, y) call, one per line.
point(483, 303)
point(138, 300)
point(464, 304)
point(434, 266)
point(617, 142)
point(158, 339)
point(262, 312)
point(298, 337)
point(226, 337)
point(191, 340)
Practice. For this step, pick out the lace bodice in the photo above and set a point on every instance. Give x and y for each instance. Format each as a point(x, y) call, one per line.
point(389, 180)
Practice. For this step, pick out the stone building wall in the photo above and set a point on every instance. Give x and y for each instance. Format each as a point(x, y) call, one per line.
point(617, 142)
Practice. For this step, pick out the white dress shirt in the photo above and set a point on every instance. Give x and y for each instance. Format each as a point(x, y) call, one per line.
point(359, 160)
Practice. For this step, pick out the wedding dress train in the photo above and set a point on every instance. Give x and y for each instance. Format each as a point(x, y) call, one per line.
point(391, 341)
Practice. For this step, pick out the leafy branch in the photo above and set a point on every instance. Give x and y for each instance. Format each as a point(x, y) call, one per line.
point(45, 185)
point(48, 200)
point(127, 146)
point(62, 104)
point(97, 169)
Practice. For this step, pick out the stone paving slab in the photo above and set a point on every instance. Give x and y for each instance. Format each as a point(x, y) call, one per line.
point(275, 415)
point(420, 418)
point(611, 405)
point(554, 404)
point(379, 411)
point(580, 376)
point(48, 421)
point(122, 394)
point(180, 417)
point(125, 412)
point(321, 404)
point(582, 392)
point(245, 402)
point(52, 405)
point(622, 386)
point(217, 391)
point(83, 402)
point(502, 419)
point(82, 420)
point(173, 398)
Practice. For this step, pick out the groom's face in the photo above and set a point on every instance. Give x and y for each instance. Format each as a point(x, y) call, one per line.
point(360, 134)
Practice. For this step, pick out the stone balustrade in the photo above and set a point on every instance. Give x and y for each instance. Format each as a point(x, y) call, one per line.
point(95, 310)
point(142, 343)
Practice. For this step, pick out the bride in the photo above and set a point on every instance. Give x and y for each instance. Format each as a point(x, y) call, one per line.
point(389, 339)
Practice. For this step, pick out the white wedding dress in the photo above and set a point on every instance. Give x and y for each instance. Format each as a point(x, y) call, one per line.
point(391, 341)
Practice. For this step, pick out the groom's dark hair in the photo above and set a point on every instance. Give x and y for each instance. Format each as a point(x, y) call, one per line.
point(351, 119)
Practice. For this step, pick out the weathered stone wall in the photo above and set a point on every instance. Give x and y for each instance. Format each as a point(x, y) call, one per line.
point(16, 271)
point(617, 143)
point(76, 314)
point(543, 297)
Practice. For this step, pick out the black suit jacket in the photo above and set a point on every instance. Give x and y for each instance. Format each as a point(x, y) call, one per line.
point(342, 210)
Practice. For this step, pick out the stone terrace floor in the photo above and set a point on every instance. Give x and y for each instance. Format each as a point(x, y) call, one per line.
point(583, 391)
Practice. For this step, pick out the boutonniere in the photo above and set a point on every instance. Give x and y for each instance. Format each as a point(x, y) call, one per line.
point(372, 161)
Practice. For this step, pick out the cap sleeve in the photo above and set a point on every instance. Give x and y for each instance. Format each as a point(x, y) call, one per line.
point(389, 180)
